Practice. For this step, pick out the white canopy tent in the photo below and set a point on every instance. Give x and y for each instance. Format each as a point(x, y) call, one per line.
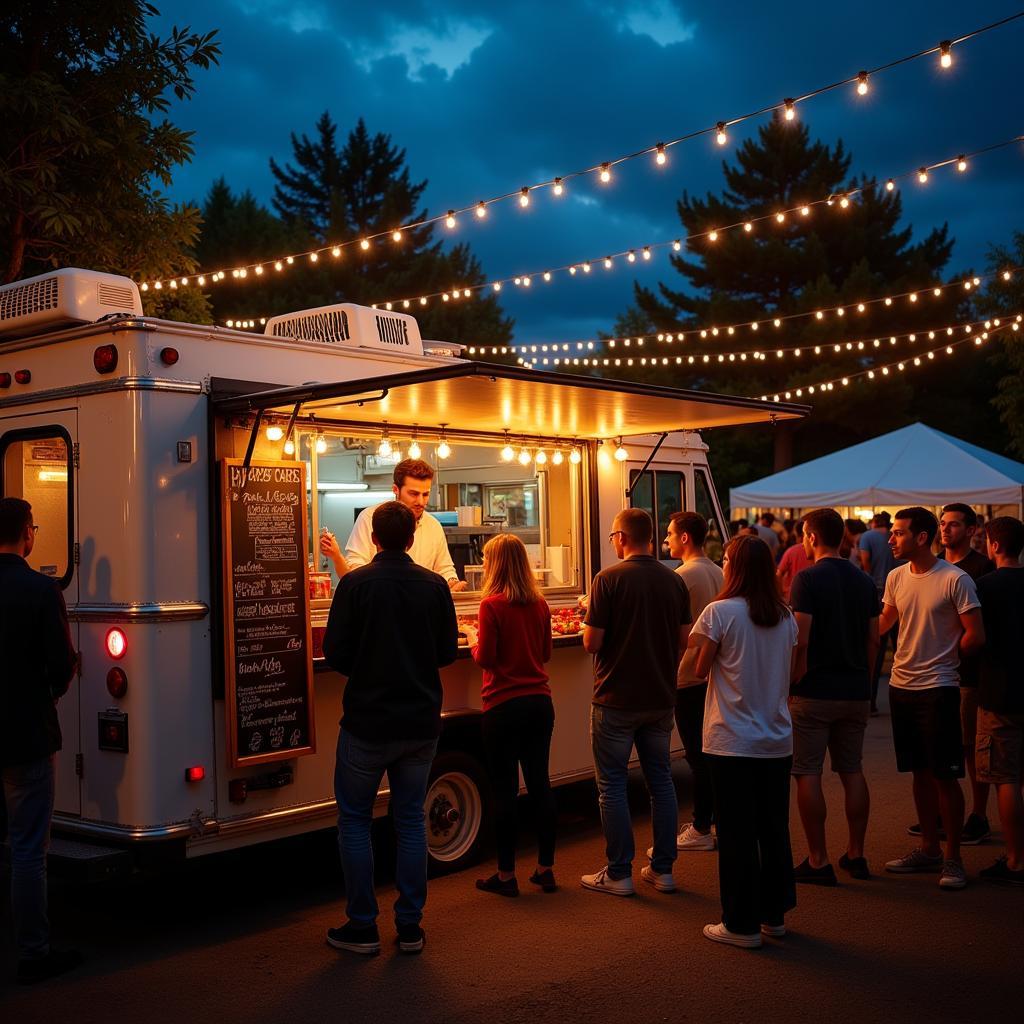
point(915, 465)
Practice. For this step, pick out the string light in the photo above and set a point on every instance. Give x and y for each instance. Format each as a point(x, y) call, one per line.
point(481, 209)
point(862, 83)
point(961, 164)
point(945, 54)
point(524, 197)
point(575, 455)
point(289, 447)
point(449, 221)
point(790, 109)
point(720, 136)
point(274, 432)
point(508, 452)
point(524, 456)
point(414, 447)
point(621, 454)
point(384, 449)
point(922, 175)
point(557, 458)
point(321, 444)
point(606, 173)
point(558, 188)
point(660, 156)
point(443, 448)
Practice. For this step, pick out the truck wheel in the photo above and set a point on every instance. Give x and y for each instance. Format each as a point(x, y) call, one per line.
point(456, 812)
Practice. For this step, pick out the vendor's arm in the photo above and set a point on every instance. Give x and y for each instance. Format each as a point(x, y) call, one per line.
point(329, 546)
point(360, 548)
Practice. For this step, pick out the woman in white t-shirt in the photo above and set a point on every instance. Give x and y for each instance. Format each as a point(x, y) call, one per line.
point(745, 641)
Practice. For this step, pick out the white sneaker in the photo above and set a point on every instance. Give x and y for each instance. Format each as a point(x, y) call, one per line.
point(776, 931)
point(719, 933)
point(690, 839)
point(663, 883)
point(600, 882)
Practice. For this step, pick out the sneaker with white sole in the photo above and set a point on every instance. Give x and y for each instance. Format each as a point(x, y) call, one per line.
point(663, 883)
point(775, 931)
point(364, 939)
point(916, 860)
point(600, 882)
point(719, 933)
point(953, 875)
point(690, 839)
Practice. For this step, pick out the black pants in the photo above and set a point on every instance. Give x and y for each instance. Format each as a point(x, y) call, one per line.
point(755, 861)
point(690, 723)
point(516, 733)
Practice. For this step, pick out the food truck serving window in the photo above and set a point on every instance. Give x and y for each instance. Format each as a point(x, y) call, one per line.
point(476, 492)
point(35, 465)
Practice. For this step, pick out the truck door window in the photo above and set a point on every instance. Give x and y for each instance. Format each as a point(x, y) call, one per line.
point(36, 467)
point(659, 492)
point(708, 508)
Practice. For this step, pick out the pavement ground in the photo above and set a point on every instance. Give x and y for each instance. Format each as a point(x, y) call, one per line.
point(240, 937)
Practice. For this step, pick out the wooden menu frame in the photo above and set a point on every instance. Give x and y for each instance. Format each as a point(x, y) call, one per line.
point(257, 532)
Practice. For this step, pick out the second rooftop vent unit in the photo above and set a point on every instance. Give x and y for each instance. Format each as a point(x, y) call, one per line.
point(350, 325)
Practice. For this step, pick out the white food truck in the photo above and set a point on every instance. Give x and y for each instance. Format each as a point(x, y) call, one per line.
point(181, 476)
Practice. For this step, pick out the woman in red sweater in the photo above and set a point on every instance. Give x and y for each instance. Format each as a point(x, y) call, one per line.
point(511, 646)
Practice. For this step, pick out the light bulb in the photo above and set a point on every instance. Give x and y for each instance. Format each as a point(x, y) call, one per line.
point(449, 221)
point(200, 279)
point(647, 252)
point(291, 259)
point(289, 447)
point(712, 236)
point(631, 256)
point(961, 164)
point(844, 202)
point(508, 453)
point(279, 265)
point(313, 257)
point(557, 458)
point(443, 449)
point(586, 268)
point(336, 251)
point(575, 456)
point(481, 209)
point(384, 448)
point(620, 453)
point(607, 263)
point(748, 227)
point(364, 244)
point(414, 449)
point(805, 211)
point(660, 157)
point(541, 457)
point(606, 173)
point(396, 236)
point(274, 433)
point(790, 110)
point(558, 188)
point(720, 137)
point(524, 197)
point(524, 457)
point(890, 185)
point(945, 54)
point(780, 217)
point(922, 175)
point(321, 444)
point(862, 83)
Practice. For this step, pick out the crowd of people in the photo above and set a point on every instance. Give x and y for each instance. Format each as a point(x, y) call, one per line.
point(763, 665)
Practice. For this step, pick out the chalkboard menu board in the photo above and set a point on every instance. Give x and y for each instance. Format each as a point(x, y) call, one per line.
point(269, 671)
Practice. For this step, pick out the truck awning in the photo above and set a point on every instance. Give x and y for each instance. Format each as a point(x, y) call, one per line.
point(491, 398)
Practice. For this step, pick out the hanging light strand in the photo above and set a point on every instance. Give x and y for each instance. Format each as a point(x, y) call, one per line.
point(602, 169)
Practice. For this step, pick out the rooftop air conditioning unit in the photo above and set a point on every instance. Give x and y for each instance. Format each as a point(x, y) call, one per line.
point(64, 298)
point(352, 326)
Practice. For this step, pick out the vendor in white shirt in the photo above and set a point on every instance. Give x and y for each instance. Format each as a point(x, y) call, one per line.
point(412, 482)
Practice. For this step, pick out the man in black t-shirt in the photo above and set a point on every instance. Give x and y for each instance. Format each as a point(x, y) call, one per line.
point(1000, 739)
point(957, 527)
point(836, 607)
point(637, 625)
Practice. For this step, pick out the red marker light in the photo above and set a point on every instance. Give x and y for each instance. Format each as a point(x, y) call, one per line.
point(105, 359)
point(5, 380)
point(117, 643)
point(22, 376)
point(117, 682)
point(195, 774)
point(168, 356)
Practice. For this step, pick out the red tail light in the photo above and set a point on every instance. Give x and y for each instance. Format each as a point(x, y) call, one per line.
point(117, 682)
point(105, 359)
point(168, 356)
point(5, 380)
point(116, 643)
point(195, 774)
point(22, 376)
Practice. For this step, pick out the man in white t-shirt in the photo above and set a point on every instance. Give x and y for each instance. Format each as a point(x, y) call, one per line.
point(685, 540)
point(939, 618)
point(412, 482)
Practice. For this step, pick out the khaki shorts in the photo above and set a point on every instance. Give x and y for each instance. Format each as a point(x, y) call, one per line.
point(969, 715)
point(833, 725)
point(1000, 748)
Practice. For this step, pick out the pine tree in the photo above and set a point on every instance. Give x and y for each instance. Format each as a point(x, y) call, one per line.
point(833, 257)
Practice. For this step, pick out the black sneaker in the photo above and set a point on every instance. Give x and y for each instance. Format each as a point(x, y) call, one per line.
point(411, 938)
point(56, 962)
point(915, 830)
point(545, 879)
point(1001, 874)
point(856, 867)
point(497, 886)
point(826, 875)
point(364, 939)
point(976, 830)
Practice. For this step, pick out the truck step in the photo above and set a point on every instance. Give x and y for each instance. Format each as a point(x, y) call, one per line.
point(86, 862)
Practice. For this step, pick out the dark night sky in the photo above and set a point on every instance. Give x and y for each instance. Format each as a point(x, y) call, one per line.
point(486, 98)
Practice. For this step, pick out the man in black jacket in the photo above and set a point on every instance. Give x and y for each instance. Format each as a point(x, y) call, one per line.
point(392, 626)
point(38, 663)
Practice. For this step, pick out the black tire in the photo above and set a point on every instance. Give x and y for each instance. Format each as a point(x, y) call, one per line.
point(457, 807)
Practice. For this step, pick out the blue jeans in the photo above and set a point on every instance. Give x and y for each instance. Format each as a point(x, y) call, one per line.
point(360, 766)
point(28, 795)
point(613, 734)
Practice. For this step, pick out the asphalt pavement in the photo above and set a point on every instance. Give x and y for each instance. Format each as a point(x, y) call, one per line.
point(240, 937)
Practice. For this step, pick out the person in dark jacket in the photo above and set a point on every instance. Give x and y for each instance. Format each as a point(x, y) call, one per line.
point(38, 664)
point(392, 626)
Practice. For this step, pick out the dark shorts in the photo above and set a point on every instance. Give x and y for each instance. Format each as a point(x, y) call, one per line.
point(833, 725)
point(969, 715)
point(1000, 751)
point(927, 732)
